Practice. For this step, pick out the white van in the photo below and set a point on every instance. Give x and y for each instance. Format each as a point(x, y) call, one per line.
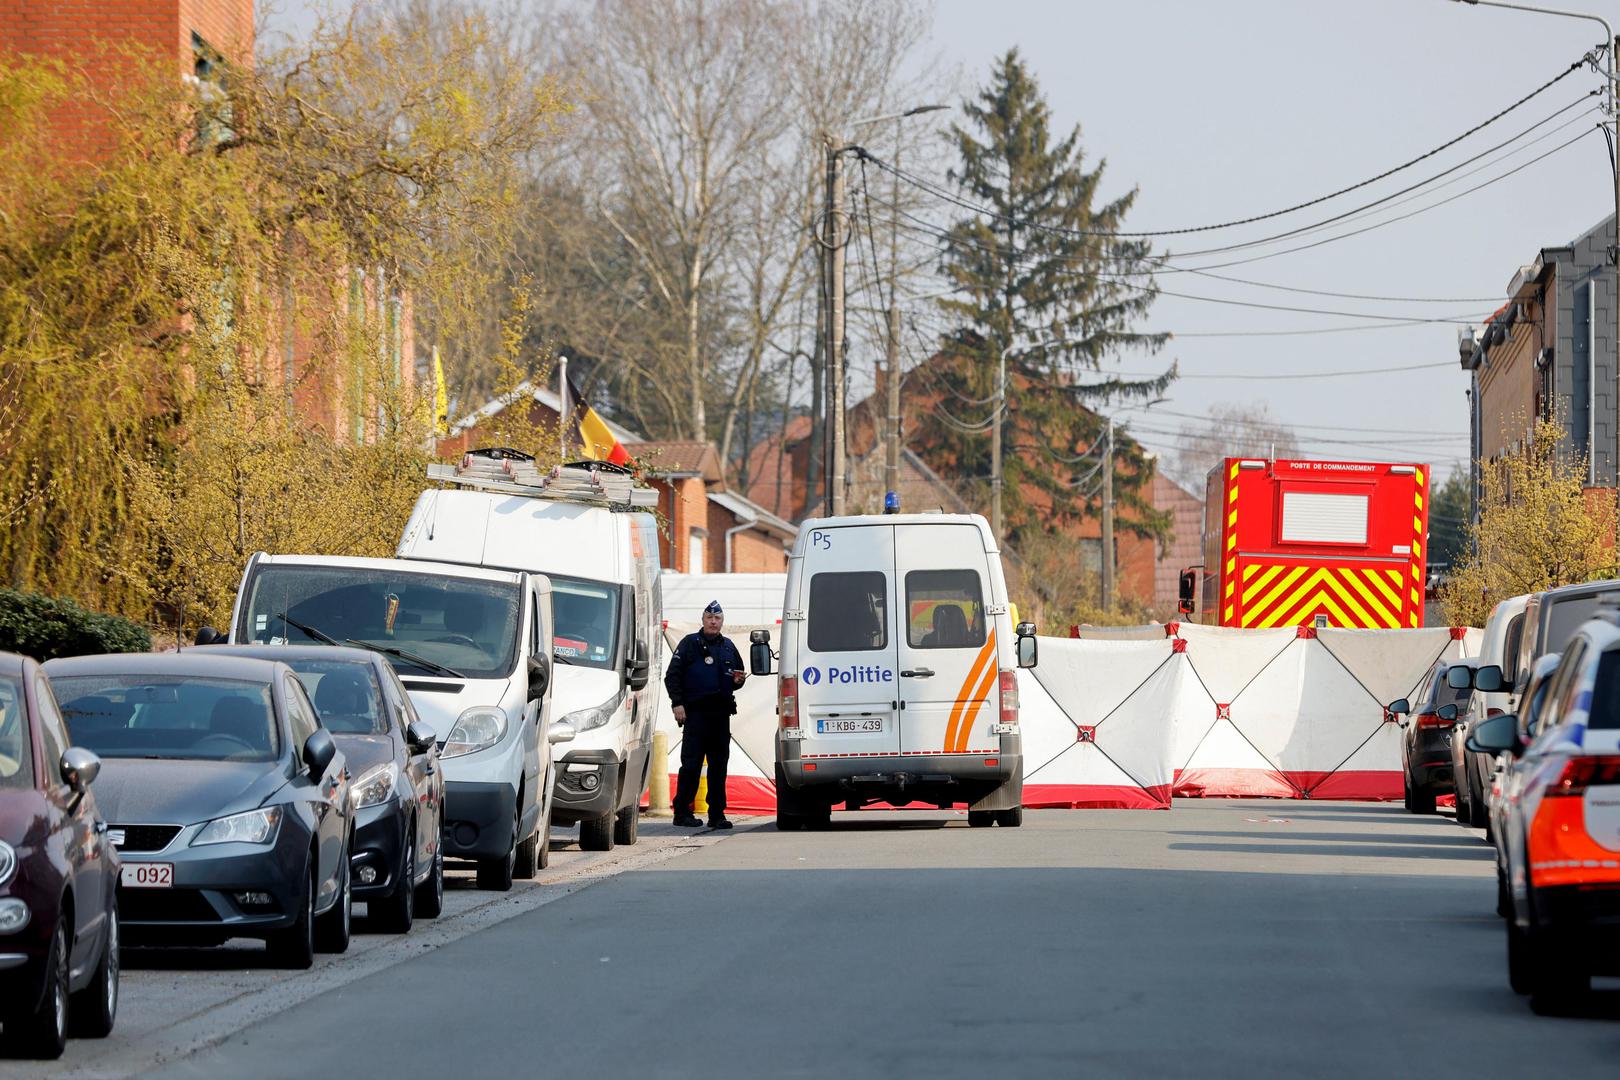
point(473, 648)
point(897, 670)
point(1499, 645)
point(580, 527)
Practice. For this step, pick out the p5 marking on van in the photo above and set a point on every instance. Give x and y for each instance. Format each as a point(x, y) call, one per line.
point(897, 670)
point(582, 528)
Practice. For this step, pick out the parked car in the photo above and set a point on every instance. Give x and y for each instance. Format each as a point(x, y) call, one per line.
point(58, 876)
point(1561, 833)
point(397, 787)
point(1426, 731)
point(1499, 646)
point(1505, 780)
point(473, 648)
point(228, 800)
point(1550, 620)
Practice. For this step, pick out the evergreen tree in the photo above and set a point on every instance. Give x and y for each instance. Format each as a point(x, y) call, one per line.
point(1039, 262)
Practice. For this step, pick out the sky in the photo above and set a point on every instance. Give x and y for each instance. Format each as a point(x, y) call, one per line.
point(1217, 111)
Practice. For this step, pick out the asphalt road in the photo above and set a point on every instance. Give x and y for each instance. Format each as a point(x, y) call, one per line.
point(1222, 938)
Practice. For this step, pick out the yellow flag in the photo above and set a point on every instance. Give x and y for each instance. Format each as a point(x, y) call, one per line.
point(441, 397)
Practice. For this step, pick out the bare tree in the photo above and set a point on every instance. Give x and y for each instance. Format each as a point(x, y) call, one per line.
point(1234, 429)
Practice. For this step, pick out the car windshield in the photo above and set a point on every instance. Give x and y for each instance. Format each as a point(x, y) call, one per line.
point(426, 623)
point(143, 715)
point(16, 745)
point(585, 617)
point(1605, 711)
point(1565, 618)
point(345, 693)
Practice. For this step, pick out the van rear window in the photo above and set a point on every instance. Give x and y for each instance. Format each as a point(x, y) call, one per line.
point(944, 609)
point(849, 612)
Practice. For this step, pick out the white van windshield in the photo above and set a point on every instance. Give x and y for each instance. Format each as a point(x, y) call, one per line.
point(585, 621)
point(425, 623)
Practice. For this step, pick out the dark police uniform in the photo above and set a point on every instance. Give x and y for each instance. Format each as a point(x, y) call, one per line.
point(699, 678)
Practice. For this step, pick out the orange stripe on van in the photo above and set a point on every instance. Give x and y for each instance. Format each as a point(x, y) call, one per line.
point(965, 691)
point(981, 694)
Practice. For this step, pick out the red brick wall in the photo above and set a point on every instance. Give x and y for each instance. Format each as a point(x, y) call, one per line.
point(755, 552)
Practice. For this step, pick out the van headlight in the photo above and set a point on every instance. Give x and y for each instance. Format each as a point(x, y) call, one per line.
point(374, 786)
point(479, 727)
point(253, 827)
point(8, 862)
point(596, 716)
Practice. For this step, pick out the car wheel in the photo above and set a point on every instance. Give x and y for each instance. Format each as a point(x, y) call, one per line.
point(596, 834)
point(1422, 800)
point(395, 913)
point(625, 825)
point(1406, 796)
point(788, 822)
point(1462, 806)
point(1518, 956)
point(430, 894)
point(495, 875)
point(96, 1006)
point(1504, 902)
point(1479, 812)
point(41, 1031)
point(542, 854)
point(525, 862)
point(1556, 977)
point(1011, 818)
point(294, 947)
point(333, 930)
point(981, 819)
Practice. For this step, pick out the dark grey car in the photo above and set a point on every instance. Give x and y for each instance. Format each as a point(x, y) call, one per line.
point(226, 798)
point(397, 786)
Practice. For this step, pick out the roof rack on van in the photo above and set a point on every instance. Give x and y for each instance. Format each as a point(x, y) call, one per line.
point(512, 472)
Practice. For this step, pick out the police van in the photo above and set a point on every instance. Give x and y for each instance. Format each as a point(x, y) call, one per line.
point(898, 678)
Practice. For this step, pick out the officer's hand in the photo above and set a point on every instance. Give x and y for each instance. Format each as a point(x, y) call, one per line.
point(680, 715)
point(737, 677)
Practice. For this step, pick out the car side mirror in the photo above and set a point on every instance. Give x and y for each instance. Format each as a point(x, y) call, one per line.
point(539, 678)
point(1446, 712)
point(1399, 706)
point(636, 671)
point(1459, 678)
point(79, 768)
point(1187, 589)
point(1489, 679)
point(561, 731)
point(421, 737)
point(759, 652)
point(207, 635)
point(319, 750)
point(1499, 734)
point(1029, 652)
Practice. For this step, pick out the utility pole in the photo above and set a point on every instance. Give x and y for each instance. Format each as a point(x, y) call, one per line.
point(1108, 518)
point(891, 454)
point(833, 245)
point(995, 444)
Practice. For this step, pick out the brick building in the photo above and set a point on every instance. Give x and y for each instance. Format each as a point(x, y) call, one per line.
point(1549, 353)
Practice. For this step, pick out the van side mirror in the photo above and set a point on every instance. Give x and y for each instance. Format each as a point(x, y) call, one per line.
point(1489, 679)
point(207, 635)
point(319, 750)
point(1029, 653)
point(1459, 678)
point(1398, 706)
point(539, 678)
point(1186, 590)
point(1446, 712)
point(560, 732)
point(420, 737)
point(1499, 734)
point(636, 671)
point(759, 652)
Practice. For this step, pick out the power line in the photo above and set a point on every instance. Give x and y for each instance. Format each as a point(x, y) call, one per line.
point(1143, 234)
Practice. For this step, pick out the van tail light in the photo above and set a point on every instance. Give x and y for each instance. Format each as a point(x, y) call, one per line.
point(787, 701)
point(1584, 772)
point(1009, 696)
point(1434, 720)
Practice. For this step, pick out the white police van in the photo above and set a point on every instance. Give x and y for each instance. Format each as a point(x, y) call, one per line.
point(898, 680)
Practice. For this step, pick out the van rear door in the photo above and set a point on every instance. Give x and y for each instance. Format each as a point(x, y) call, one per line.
point(847, 688)
point(948, 666)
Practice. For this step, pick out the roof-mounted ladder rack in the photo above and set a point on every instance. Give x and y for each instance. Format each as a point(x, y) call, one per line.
point(510, 473)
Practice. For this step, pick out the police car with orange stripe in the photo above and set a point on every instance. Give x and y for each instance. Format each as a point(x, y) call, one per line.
point(1561, 826)
point(898, 680)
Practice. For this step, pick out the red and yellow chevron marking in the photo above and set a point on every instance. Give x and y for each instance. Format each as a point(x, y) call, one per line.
point(1282, 595)
point(1228, 604)
point(1414, 612)
point(974, 691)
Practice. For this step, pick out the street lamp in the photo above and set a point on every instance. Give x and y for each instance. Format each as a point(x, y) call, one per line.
point(1612, 44)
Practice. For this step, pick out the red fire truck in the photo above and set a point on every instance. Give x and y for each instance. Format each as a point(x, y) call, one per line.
point(1314, 543)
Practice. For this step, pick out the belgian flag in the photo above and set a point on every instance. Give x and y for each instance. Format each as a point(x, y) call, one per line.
point(596, 439)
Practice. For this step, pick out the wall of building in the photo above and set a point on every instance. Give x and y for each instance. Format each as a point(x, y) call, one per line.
point(1586, 329)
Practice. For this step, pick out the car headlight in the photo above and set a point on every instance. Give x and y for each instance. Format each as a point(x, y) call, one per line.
point(478, 727)
point(253, 827)
point(8, 862)
point(374, 786)
point(13, 915)
point(596, 716)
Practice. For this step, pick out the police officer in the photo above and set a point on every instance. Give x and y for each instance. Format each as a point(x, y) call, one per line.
point(702, 682)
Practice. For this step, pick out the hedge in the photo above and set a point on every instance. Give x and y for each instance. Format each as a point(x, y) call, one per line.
point(45, 628)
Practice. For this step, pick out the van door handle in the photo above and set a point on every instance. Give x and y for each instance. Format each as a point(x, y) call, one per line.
point(918, 673)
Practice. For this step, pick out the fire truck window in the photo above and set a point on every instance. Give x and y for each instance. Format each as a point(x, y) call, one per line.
point(1310, 517)
point(1606, 694)
point(849, 612)
point(944, 609)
